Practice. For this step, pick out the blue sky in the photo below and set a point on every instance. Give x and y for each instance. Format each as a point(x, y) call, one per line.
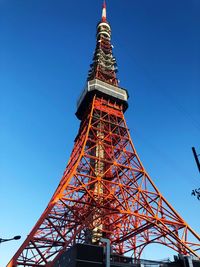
point(45, 51)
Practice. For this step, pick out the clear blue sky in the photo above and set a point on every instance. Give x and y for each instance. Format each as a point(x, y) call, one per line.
point(45, 50)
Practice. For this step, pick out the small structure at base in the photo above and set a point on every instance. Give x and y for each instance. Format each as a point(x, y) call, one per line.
point(86, 255)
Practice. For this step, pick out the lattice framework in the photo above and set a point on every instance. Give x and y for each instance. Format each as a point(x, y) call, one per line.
point(105, 192)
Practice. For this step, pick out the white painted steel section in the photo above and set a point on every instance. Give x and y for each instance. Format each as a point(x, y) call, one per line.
point(103, 24)
point(103, 32)
point(105, 88)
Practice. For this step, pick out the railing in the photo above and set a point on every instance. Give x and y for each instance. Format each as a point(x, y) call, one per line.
point(128, 261)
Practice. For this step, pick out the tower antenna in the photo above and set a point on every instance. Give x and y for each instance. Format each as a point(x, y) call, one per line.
point(104, 11)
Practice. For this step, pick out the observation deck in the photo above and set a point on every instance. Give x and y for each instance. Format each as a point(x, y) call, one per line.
point(101, 89)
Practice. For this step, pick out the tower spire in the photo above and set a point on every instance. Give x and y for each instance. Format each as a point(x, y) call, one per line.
point(104, 66)
point(104, 11)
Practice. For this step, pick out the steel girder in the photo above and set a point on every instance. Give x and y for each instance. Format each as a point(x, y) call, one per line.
point(105, 192)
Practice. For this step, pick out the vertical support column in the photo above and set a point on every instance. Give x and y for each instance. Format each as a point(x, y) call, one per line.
point(98, 190)
point(107, 241)
point(189, 260)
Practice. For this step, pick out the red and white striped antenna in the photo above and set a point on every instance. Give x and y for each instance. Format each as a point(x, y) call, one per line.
point(104, 12)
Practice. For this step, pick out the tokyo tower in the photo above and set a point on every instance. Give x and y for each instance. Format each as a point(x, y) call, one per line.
point(105, 191)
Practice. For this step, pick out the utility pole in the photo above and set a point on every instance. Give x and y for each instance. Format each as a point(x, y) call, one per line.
point(196, 157)
point(196, 192)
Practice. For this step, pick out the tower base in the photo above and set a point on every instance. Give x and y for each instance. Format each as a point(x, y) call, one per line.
point(84, 255)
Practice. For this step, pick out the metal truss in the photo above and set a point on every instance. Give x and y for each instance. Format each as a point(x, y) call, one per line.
point(105, 192)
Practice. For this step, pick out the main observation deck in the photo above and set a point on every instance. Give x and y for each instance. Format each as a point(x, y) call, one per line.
point(102, 89)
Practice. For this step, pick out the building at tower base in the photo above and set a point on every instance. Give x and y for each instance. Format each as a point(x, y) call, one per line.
point(85, 255)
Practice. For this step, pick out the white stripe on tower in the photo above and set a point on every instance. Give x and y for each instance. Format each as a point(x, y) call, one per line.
point(104, 11)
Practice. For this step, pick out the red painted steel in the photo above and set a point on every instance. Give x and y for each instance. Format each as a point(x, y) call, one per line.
point(105, 192)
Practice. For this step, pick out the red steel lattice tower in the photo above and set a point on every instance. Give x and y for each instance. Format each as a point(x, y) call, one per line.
point(105, 190)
